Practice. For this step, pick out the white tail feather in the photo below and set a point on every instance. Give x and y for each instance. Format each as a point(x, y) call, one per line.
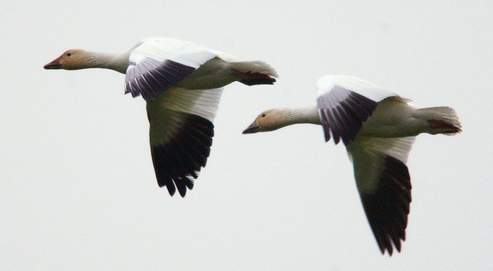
point(441, 120)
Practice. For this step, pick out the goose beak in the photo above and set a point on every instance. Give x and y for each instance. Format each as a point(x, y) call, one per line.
point(53, 65)
point(253, 128)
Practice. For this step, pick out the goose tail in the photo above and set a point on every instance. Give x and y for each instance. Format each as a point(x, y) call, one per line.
point(441, 120)
point(254, 73)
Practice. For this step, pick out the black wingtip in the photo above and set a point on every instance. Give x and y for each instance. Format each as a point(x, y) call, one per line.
point(178, 161)
point(387, 208)
point(171, 188)
point(182, 184)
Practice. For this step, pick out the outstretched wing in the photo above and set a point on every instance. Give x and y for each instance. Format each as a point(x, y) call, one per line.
point(156, 64)
point(344, 103)
point(384, 185)
point(181, 131)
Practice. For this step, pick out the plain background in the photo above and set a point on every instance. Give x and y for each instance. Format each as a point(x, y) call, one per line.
point(77, 187)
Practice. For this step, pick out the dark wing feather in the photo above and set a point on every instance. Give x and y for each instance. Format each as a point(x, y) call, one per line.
point(387, 207)
point(150, 77)
point(343, 112)
point(384, 185)
point(179, 159)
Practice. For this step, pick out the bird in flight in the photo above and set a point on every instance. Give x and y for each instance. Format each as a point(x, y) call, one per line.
point(378, 128)
point(182, 84)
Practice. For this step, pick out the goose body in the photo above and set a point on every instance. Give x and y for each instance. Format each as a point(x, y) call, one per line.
point(182, 84)
point(378, 128)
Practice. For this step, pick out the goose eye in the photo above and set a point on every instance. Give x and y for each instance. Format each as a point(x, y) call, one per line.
point(263, 115)
point(69, 54)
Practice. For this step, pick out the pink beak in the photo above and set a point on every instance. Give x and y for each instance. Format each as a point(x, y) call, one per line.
point(54, 65)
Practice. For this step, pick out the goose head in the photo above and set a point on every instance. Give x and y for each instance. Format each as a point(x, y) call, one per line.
point(269, 120)
point(73, 59)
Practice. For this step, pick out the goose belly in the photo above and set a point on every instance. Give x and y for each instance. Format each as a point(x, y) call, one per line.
point(393, 117)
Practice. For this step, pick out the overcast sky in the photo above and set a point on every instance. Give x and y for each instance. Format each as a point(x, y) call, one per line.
point(77, 187)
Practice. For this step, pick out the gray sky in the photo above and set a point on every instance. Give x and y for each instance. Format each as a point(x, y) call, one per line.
point(78, 191)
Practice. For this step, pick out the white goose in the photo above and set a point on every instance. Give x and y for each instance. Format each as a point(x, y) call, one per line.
point(182, 85)
point(378, 128)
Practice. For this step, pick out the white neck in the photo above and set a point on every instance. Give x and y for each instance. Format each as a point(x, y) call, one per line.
point(114, 62)
point(301, 115)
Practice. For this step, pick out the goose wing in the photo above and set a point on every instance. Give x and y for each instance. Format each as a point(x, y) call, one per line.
point(158, 63)
point(384, 185)
point(344, 103)
point(181, 131)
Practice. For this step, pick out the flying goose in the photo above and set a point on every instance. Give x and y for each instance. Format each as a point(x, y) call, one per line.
point(182, 85)
point(378, 128)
